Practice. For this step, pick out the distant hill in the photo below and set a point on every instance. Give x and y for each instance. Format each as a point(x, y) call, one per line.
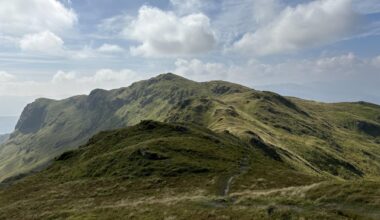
point(324, 140)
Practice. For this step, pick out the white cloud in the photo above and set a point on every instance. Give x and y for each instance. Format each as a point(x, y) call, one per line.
point(347, 72)
point(62, 76)
point(346, 61)
point(199, 70)
point(88, 52)
point(163, 33)
point(110, 48)
point(18, 17)
point(306, 25)
point(113, 26)
point(333, 68)
point(44, 42)
point(6, 77)
point(334, 78)
point(124, 76)
point(101, 78)
point(66, 84)
point(233, 18)
point(51, 44)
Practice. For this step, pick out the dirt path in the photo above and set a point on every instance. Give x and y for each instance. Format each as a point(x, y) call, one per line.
point(228, 185)
point(290, 191)
point(200, 196)
point(243, 167)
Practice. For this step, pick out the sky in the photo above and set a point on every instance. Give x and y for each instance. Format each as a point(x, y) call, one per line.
point(326, 50)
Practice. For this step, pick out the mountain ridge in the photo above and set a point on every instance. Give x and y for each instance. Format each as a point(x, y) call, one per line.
point(307, 135)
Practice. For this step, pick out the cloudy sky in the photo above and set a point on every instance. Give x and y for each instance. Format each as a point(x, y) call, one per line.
point(327, 50)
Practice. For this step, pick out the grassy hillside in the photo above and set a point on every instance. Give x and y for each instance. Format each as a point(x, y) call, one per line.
point(338, 141)
point(180, 171)
point(48, 128)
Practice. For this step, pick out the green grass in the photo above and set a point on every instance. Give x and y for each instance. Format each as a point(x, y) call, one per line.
point(309, 136)
point(209, 134)
point(157, 170)
point(152, 149)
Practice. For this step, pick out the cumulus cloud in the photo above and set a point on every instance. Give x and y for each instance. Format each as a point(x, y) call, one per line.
point(62, 76)
point(306, 25)
point(19, 18)
point(110, 48)
point(253, 73)
point(196, 69)
point(101, 78)
point(125, 76)
point(163, 33)
point(48, 43)
point(64, 84)
point(44, 42)
point(344, 77)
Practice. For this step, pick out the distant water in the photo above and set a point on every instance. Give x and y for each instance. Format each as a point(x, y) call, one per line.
point(7, 124)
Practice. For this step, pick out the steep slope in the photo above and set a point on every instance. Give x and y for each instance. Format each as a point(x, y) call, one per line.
point(3, 138)
point(48, 127)
point(335, 140)
point(179, 171)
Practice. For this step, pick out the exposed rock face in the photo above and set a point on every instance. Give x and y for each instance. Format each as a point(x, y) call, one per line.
point(33, 117)
point(369, 128)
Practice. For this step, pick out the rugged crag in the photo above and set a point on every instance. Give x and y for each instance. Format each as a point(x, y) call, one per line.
point(334, 140)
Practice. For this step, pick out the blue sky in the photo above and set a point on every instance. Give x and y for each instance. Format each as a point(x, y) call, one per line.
point(328, 50)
